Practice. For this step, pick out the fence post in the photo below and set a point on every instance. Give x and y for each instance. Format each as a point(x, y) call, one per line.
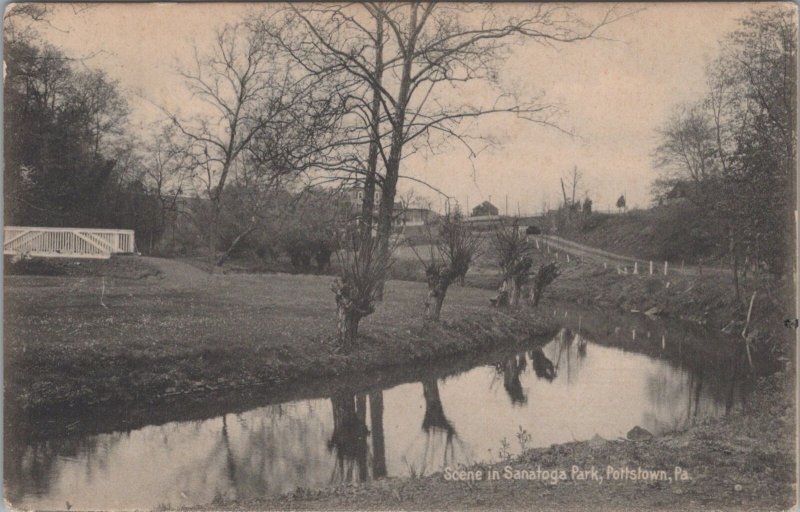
point(651, 268)
point(666, 266)
point(635, 267)
point(567, 257)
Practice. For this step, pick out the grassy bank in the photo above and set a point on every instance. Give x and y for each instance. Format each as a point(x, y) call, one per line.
point(742, 462)
point(707, 300)
point(75, 341)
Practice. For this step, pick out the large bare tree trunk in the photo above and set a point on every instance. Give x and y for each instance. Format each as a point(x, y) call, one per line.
point(368, 204)
point(386, 209)
point(396, 152)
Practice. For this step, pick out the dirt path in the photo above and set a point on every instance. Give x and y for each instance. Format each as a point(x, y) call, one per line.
point(177, 274)
point(601, 256)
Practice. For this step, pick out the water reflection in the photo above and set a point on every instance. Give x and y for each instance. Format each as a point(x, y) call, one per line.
point(378, 442)
point(542, 366)
point(348, 441)
point(437, 444)
point(510, 370)
point(590, 378)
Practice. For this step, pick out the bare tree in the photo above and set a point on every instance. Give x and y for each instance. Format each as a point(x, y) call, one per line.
point(167, 172)
point(414, 52)
point(575, 181)
point(247, 93)
point(688, 150)
point(737, 144)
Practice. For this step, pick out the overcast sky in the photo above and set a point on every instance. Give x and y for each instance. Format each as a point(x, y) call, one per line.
point(615, 92)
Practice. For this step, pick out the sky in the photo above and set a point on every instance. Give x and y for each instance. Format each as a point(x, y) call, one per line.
point(615, 92)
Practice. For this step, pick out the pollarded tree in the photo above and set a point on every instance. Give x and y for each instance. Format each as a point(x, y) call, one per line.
point(511, 250)
point(361, 264)
point(545, 276)
point(454, 248)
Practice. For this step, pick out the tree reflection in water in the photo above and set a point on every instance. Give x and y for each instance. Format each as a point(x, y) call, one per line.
point(349, 439)
point(542, 366)
point(378, 442)
point(441, 445)
point(511, 370)
point(698, 388)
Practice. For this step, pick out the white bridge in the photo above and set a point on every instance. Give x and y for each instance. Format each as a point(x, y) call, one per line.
point(66, 242)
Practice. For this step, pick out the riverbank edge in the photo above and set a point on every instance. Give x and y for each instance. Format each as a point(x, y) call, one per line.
point(427, 343)
point(744, 461)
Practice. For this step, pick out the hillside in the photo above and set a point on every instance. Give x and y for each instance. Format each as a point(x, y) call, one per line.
point(674, 232)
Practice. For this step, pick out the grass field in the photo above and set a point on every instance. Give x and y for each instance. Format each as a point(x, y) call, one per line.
point(78, 340)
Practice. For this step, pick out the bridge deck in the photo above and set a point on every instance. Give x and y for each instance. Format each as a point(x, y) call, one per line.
point(66, 242)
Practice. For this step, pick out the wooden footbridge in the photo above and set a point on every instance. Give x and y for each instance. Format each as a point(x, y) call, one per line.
point(66, 242)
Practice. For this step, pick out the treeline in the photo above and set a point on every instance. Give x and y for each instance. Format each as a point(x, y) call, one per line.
point(61, 128)
point(69, 159)
point(732, 152)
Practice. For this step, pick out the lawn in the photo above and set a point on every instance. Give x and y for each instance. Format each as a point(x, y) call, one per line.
point(84, 339)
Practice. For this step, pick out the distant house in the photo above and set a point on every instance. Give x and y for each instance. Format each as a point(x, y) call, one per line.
point(485, 209)
point(355, 196)
point(417, 216)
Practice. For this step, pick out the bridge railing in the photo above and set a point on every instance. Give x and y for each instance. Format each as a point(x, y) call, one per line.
point(66, 242)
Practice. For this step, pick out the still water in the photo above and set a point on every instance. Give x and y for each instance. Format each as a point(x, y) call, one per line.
point(591, 378)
